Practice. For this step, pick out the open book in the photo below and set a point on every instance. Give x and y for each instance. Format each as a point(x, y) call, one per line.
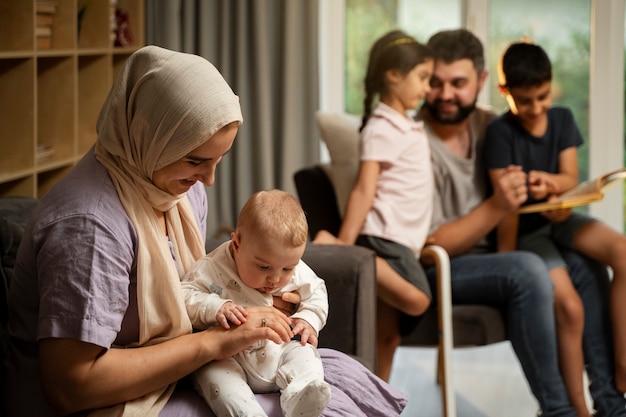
point(584, 193)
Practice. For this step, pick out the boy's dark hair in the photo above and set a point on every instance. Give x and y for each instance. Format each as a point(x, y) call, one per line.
point(524, 64)
point(456, 44)
point(393, 51)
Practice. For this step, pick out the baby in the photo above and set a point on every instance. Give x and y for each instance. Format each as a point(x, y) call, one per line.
point(262, 259)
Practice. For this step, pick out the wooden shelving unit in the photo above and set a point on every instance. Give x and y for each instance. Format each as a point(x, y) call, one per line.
point(50, 96)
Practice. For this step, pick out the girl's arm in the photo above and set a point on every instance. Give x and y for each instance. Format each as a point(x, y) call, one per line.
point(79, 376)
point(360, 202)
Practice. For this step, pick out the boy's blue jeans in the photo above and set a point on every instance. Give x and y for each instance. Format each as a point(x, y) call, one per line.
point(518, 283)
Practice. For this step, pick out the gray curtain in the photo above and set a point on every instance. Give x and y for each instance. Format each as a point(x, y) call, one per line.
point(268, 52)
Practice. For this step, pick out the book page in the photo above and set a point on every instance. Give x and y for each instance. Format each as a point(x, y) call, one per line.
point(585, 193)
point(613, 178)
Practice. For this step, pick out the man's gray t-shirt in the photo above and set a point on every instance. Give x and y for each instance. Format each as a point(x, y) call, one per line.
point(460, 183)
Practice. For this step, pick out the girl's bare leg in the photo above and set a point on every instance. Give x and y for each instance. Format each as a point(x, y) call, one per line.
point(387, 337)
point(398, 292)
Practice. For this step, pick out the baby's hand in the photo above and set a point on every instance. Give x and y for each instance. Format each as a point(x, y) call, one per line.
point(306, 331)
point(230, 312)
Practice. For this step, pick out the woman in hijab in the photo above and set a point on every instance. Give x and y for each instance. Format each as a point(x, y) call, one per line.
point(97, 322)
point(100, 266)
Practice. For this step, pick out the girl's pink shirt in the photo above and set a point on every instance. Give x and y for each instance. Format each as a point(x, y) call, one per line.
point(402, 207)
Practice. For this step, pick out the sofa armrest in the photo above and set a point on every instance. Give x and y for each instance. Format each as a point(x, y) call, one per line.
point(350, 276)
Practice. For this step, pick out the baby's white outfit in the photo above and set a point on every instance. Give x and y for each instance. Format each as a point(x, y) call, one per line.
point(229, 385)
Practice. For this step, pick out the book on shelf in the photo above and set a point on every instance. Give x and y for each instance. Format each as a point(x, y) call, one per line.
point(43, 31)
point(584, 193)
point(46, 6)
point(44, 152)
point(44, 19)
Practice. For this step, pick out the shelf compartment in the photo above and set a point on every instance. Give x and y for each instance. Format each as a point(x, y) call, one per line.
point(21, 187)
point(94, 24)
point(17, 78)
point(16, 26)
point(51, 94)
point(92, 92)
point(64, 26)
point(136, 12)
point(56, 104)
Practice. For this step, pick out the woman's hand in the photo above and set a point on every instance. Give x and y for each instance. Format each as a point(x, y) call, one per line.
point(262, 323)
point(287, 303)
point(78, 376)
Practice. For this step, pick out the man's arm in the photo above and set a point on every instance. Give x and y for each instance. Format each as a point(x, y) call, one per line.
point(460, 235)
point(507, 229)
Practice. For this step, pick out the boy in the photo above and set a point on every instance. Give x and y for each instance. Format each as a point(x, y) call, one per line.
point(262, 259)
point(542, 140)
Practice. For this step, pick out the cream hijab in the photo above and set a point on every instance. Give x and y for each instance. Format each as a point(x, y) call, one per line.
point(162, 106)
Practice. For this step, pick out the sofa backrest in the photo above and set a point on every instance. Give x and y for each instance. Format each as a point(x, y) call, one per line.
point(14, 213)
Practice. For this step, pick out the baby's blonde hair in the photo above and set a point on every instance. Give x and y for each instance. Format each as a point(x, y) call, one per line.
point(273, 215)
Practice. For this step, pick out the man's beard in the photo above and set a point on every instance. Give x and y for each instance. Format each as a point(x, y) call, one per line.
point(462, 113)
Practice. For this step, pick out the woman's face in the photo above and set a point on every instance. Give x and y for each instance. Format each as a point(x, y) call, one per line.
point(197, 165)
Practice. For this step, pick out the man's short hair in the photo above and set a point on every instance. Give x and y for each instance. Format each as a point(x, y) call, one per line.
point(456, 44)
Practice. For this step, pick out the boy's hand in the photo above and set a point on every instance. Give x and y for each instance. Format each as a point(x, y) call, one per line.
point(540, 185)
point(558, 215)
point(230, 312)
point(306, 331)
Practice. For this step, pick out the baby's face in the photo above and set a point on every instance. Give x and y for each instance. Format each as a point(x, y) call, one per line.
point(265, 265)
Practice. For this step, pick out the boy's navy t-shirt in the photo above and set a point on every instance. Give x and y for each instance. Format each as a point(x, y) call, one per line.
point(507, 142)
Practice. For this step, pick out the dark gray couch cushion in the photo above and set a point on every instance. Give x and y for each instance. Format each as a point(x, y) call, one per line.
point(14, 213)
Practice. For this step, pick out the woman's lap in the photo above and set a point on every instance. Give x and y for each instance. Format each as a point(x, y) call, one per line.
point(355, 391)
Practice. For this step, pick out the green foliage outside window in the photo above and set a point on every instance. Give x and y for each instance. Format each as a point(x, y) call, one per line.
point(366, 21)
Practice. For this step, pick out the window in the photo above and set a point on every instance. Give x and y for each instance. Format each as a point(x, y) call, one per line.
point(564, 29)
point(367, 20)
point(561, 28)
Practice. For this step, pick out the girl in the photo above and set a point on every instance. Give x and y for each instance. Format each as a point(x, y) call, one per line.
point(389, 208)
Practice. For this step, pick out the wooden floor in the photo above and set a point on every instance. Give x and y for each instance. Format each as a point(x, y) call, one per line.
point(488, 382)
